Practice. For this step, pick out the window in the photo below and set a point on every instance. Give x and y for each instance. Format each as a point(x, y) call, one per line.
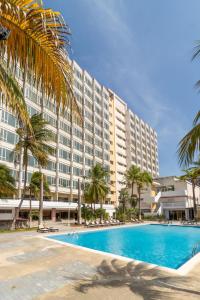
point(78, 133)
point(98, 132)
point(88, 115)
point(8, 118)
point(89, 126)
point(6, 155)
point(64, 140)
point(51, 180)
point(98, 153)
point(78, 146)
point(89, 138)
point(89, 150)
point(106, 157)
point(75, 185)
point(98, 143)
point(88, 93)
point(64, 154)
point(50, 120)
point(77, 171)
point(89, 162)
point(77, 158)
point(8, 136)
point(88, 104)
point(65, 127)
point(32, 161)
point(51, 166)
point(64, 182)
point(64, 168)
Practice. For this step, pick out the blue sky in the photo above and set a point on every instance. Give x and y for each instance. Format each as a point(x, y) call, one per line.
point(142, 50)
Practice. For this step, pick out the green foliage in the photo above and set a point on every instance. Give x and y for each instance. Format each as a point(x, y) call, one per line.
point(97, 187)
point(35, 214)
point(7, 182)
point(35, 184)
point(89, 214)
point(154, 217)
point(101, 213)
point(126, 215)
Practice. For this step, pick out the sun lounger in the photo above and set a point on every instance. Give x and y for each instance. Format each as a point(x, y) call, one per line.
point(43, 230)
point(52, 229)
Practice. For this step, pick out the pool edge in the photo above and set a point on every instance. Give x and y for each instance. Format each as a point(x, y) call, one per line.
point(182, 270)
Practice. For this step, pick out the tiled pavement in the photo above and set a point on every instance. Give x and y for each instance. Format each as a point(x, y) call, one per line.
point(32, 268)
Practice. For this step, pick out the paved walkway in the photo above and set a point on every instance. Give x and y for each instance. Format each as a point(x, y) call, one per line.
point(34, 268)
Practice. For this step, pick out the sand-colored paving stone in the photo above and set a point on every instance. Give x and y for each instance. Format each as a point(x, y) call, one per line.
point(32, 268)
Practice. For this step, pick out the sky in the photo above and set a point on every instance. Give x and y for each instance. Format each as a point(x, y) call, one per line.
point(142, 50)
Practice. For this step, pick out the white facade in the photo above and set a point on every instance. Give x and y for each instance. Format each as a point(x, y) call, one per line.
point(173, 198)
point(142, 147)
point(79, 148)
point(111, 135)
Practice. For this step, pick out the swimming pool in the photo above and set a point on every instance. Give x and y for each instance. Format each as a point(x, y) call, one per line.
point(167, 246)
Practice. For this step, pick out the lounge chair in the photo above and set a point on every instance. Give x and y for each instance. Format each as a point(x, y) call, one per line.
point(43, 230)
point(52, 229)
point(135, 221)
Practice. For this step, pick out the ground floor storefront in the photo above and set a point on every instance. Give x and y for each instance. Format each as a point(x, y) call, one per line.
point(179, 214)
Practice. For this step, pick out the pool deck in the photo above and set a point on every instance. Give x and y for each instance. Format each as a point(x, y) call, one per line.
point(40, 269)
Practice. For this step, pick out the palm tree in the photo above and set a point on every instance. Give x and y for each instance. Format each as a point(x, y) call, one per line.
point(7, 182)
point(144, 179)
point(189, 145)
point(123, 197)
point(97, 188)
point(192, 175)
point(34, 187)
point(40, 52)
point(34, 143)
point(131, 177)
point(41, 49)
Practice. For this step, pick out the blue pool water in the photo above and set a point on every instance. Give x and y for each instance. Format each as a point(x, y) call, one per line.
point(168, 246)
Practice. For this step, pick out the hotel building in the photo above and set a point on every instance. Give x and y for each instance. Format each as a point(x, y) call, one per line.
point(111, 135)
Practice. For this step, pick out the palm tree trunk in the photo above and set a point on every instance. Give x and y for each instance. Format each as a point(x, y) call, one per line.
point(194, 199)
point(132, 186)
point(101, 206)
point(124, 205)
point(57, 152)
point(30, 210)
point(24, 190)
point(139, 203)
point(40, 219)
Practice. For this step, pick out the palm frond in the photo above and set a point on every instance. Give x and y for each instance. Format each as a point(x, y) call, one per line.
point(42, 41)
point(189, 146)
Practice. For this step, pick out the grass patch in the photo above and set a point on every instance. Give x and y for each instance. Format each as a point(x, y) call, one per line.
point(18, 230)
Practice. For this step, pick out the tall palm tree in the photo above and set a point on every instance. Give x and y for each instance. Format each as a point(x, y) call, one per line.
point(131, 177)
point(144, 179)
point(35, 143)
point(123, 198)
point(34, 187)
point(97, 187)
point(41, 50)
point(7, 182)
point(192, 175)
